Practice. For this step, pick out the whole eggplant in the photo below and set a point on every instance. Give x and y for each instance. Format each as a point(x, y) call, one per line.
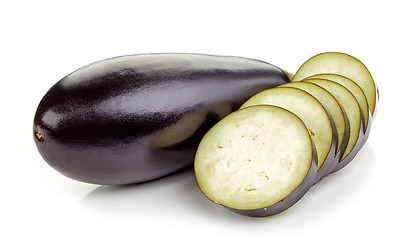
point(136, 118)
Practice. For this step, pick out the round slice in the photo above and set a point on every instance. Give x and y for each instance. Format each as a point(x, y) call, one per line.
point(342, 64)
point(257, 161)
point(353, 115)
point(354, 89)
point(336, 114)
point(312, 113)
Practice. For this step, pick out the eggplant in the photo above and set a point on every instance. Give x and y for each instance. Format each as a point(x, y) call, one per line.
point(136, 118)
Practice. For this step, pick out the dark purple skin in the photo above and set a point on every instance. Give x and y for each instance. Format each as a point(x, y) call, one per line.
point(99, 123)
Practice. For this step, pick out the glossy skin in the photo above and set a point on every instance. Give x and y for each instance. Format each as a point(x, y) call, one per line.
point(137, 118)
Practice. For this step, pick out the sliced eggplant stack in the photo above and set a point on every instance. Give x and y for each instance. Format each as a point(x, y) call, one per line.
point(332, 94)
point(257, 161)
point(353, 115)
point(311, 112)
point(342, 64)
point(335, 112)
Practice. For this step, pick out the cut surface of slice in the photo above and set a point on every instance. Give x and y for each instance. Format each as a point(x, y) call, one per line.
point(309, 110)
point(354, 89)
point(350, 106)
point(342, 64)
point(257, 161)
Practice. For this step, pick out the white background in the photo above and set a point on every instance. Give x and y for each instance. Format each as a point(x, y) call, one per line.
point(40, 42)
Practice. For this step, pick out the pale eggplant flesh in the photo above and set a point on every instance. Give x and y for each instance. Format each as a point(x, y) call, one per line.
point(137, 118)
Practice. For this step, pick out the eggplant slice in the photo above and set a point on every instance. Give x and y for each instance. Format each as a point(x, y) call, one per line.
point(342, 64)
point(257, 161)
